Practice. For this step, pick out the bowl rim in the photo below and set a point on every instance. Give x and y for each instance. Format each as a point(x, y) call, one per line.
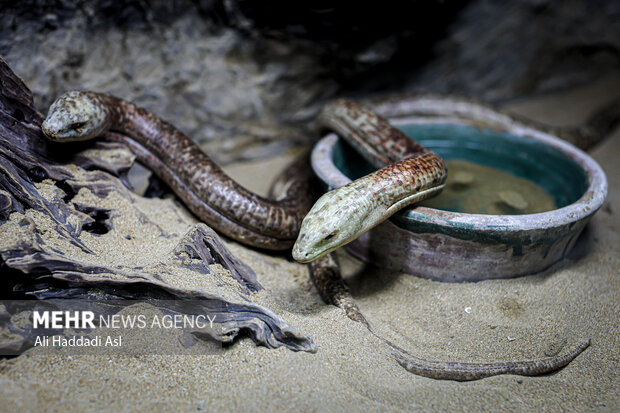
point(591, 200)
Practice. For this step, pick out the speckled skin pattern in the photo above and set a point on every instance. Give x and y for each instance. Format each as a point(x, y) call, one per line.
point(218, 200)
point(342, 215)
point(192, 175)
point(474, 371)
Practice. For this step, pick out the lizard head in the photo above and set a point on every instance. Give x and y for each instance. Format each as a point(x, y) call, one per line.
point(75, 116)
point(332, 222)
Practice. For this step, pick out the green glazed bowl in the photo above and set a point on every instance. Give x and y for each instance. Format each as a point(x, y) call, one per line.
point(455, 246)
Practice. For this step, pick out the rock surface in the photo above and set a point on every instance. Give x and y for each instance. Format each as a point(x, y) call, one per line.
point(244, 78)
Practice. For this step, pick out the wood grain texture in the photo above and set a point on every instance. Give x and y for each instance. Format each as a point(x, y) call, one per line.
point(50, 232)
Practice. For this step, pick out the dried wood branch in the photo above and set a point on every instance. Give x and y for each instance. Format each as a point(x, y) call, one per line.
point(71, 226)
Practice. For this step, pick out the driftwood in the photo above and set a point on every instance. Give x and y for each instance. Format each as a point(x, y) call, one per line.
point(63, 235)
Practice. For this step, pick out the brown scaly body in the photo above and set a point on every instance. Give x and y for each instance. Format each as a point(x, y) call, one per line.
point(213, 188)
point(218, 200)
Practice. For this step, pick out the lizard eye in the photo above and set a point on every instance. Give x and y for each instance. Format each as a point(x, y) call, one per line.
point(331, 235)
point(77, 126)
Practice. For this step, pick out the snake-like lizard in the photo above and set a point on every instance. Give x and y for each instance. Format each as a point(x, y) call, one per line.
point(412, 173)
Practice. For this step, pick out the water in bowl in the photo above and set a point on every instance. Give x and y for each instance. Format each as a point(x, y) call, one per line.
point(477, 189)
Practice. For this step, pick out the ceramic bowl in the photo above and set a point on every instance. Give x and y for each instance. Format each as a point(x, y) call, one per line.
point(454, 246)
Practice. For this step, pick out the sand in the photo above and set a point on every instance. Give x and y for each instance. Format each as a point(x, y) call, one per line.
point(526, 317)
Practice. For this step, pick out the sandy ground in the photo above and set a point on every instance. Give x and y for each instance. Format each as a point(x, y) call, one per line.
point(527, 317)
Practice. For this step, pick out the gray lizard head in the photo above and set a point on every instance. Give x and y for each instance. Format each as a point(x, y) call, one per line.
point(75, 116)
point(332, 222)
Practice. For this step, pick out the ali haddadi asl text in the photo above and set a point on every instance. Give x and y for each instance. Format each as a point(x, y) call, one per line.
point(78, 341)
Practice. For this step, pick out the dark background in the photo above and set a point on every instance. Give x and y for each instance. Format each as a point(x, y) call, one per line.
point(245, 77)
